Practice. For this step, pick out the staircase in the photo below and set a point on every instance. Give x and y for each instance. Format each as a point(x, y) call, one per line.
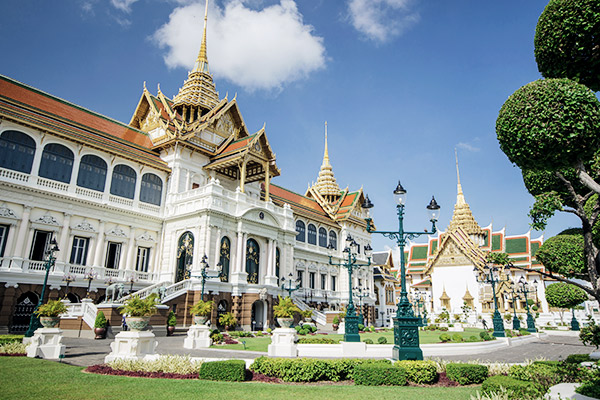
point(318, 316)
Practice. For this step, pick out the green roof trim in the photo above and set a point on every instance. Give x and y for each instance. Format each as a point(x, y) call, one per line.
point(534, 248)
point(516, 245)
point(496, 242)
point(518, 259)
point(434, 246)
point(419, 253)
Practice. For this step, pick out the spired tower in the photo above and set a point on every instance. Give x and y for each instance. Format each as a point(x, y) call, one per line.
point(326, 184)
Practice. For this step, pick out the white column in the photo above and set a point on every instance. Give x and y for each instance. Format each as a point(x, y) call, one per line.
point(206, 246)
point(99, 246)
point(74, 173)
point(239, 256)
point(130, 247)
point(23, 228)
point(10, 240)
point(109, 174)
point(37, 159)
point(138, 185)
point(64, 237)
point(218, 248)
point(188, 180)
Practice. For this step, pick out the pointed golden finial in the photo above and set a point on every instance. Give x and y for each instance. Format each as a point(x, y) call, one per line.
point(326, 156)
point(462, 215)
point(326, 184)
point(145, 86)
point(158, 85)
point(202, 60)
point(460, 198)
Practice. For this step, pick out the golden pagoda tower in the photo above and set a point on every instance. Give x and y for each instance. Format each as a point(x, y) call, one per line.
point(326, 184)
point(198, 94)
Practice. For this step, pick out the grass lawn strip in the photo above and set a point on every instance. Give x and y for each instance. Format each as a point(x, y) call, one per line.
point(43, 379)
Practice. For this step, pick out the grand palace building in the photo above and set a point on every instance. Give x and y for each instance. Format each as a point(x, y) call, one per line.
point(184, 185)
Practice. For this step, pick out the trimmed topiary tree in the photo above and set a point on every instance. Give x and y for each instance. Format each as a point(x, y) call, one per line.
point(563, 295)
point(563, 254)
point(567, 41)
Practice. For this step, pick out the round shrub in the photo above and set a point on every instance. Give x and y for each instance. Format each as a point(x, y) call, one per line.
point(466, 374)
point(549, 124)
point(382, 340)
point(368, 341)
point(445, 337)
point(566, 41)
point(420, 372)
point(457, 338)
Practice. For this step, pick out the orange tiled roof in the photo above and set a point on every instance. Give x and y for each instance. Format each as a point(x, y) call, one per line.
point(300, 204)
point(27, 103)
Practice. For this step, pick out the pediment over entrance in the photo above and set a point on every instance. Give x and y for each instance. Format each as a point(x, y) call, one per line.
point(456, 249)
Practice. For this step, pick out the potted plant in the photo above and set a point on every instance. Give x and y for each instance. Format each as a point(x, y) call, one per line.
point(228, 321)
point(284, 311)
point(49, 313)
point(100, 325)
point(138, 311)
point(307, 315)
point(201, 311)
point(171, 322)
point(336, 323)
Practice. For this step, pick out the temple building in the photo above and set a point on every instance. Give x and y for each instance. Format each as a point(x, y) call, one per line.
point(185, 187)
point(444, 271)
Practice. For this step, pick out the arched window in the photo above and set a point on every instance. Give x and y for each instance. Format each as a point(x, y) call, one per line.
point(333, 239)
point(252, 260)
point(312, 234)
point(225, 256)
point(277, 262)
point(123, 181)
point(300, 231)
point(185, 256)
point(151, 190)
point(16, 151)
point(322, 237)
point(92, 173)
point(57, 163)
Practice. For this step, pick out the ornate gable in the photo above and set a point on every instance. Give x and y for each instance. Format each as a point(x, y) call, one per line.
point(456, 248)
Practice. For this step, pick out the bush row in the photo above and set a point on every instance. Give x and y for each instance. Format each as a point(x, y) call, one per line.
point(310, 369)
point(10, 338)
point(228, 370)
point(379, 374)
point(317, 340)
point(466, 374)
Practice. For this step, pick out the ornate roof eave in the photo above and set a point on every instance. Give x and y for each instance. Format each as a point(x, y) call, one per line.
point(475, 254)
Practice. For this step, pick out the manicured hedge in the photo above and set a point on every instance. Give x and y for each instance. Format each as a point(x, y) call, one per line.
point(421, 372)
point(379, 375)
point(466, 374)
point(517, 389)
point(229, 370)
point(10, 338)
point(577, 358)
point(310, 369)
point(317, 340)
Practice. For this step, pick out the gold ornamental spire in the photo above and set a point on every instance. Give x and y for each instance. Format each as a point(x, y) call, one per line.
point(198, 93)
point(462, 216)
point(326, 184)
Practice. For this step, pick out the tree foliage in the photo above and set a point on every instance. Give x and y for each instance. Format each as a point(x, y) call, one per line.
point(563, 254)
point(563, 295)
point(549, 124)
point(567, 41)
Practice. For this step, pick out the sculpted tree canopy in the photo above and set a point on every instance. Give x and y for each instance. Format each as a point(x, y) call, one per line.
point(563, 295)
point(567, 41)
point(549, 124)
point(563, 254)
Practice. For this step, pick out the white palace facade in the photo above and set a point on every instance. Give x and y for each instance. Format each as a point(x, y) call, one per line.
point(142, 203)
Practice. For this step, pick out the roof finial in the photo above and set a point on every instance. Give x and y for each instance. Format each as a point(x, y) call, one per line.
point(460, 199)
point(326, 184)
point(326, 156)
point(202, 60)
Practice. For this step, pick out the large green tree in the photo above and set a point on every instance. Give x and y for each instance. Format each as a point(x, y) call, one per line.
point(550, 129)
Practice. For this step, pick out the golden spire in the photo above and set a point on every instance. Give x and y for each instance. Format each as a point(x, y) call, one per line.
point(462, 216)
point(326, 184)
point(198, 91)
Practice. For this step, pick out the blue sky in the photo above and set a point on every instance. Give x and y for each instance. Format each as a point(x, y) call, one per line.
point(401, 83)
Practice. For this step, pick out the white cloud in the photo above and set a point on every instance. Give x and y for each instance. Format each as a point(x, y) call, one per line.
point(382, 20)
point(467, 146)
point(123, 5)
point(254, 48)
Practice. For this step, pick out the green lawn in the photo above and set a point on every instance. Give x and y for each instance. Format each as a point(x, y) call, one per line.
point(26, 378)
point(261, 343)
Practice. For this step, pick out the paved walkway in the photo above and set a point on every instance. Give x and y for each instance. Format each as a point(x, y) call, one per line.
point(85, 352)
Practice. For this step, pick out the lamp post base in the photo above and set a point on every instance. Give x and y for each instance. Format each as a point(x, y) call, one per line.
point(516, 324)
point(406, 338)
point(498, 325)
point(574, 322)
point(351, 332)
point(530, 324)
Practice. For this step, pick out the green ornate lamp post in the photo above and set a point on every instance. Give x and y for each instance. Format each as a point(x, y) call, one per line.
point(491, 275)
point(360, 296)
point(525, 291)
point(290, 288)
point(204, 274)
point(34, 321)
point(351, 327)
point(406, 324)
point(515, 297)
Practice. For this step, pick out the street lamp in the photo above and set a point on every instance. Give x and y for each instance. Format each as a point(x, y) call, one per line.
point(491, 275)
point(515, 296)
point(290, 281)
point(34, 321)
point(525, 290)
point(351, 327)
point(89, 276)
point(360, 295)
point(406, 325)
point(204, 274)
